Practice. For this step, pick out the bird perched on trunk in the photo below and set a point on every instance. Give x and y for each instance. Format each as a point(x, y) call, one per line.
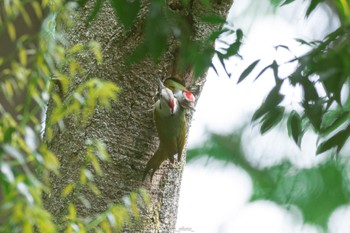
point(184, 96)
point(170, 121)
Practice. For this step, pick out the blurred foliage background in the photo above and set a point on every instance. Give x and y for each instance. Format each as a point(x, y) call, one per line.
point(34, 56)
point(315, 191)
point(322, 75)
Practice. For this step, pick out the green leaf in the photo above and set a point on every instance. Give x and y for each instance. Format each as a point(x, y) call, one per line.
point(271, 102)
point(310, 92)
point(332, 120)
point(202, 61)
point(283, 47)
point(95, 10)
point(271, 119)
point(303, 42)
point(213, 19)
point(226, 148)
point(8, 135)
point(157, 45)
point(316, 191)
point(156, 37)
point(214, 68)
point(205, 2)
point(239, 34)
point(138, 54)
point(295, 127)
point(126, 11)
point(82, 2)
point(233, 49)
point(314, 111)
point(222, 61)
point(275, 67)
point(312, 6)
point(96, 49)
point(262, 71)
point(247, 71)
point(287, 2)
point(216, 34)
point(338, 140)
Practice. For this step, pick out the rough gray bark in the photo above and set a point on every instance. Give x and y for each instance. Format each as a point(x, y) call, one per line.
point(127, 128)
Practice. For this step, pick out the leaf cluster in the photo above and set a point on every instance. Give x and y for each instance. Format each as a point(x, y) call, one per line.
point(316, 191)
point(41, 68)
point(323, 76)
point(167, 22)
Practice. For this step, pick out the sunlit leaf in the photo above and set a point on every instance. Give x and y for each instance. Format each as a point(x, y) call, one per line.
point(44, 3)
point(11, 31)
point(67, 190)
point(134, 208)
point(94, 161)
point(27, 227)
point(74, 68)
point(96, 49)
point(23, 57)
point(94, 189)
point(101, 152)
point(86, 175)
point(106, 227)
point(75, 49)
point(72, 212)
point(37, 9)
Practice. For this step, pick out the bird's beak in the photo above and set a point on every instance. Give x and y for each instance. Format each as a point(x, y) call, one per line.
point(189, 106)
point(192, 108)
point(161, 84)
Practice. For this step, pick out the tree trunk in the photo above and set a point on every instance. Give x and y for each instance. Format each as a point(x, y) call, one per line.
point(127, 128)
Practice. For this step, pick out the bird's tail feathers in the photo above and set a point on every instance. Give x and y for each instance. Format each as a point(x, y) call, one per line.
point(154, 163)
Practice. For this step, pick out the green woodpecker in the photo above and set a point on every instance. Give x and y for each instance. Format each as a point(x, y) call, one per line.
point(170, 121)
point(186, 98)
